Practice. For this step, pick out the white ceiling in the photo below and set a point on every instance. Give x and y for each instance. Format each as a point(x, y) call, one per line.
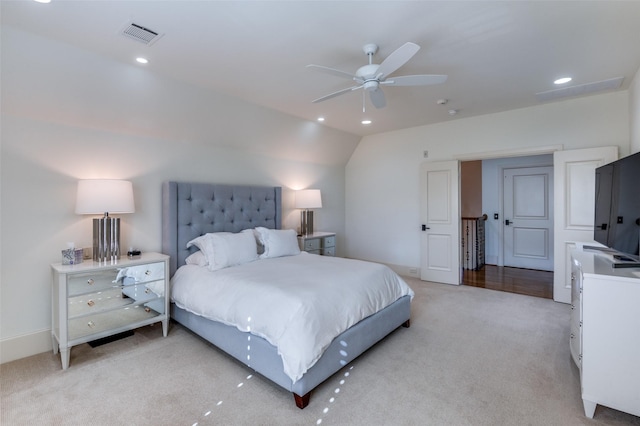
point(497, 54)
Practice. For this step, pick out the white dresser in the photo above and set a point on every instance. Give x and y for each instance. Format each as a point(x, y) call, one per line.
point(605, 332)
point(323, 243)
point(94, 300)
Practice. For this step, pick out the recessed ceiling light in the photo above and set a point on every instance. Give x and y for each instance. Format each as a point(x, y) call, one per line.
point(142, 60)
point(43, 1)
point(366, 121)
point(562, 80)
point(320, 118)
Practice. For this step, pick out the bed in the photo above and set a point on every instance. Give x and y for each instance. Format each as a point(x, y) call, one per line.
point(191, 210)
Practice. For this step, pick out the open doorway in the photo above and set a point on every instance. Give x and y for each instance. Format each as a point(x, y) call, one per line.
point(519, 258)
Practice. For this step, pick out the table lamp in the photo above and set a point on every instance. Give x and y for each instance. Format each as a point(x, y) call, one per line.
point(105, 196)
point(307, 199)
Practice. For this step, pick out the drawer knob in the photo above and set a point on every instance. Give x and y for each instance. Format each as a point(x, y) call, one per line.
point(91, 303)
point(147, 291)
point(90, 281)
point(91, 324)
point(147, 309)
point(147, 272)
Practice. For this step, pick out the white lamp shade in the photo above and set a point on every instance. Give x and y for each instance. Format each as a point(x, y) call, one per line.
point(308, 199)
point(98, 196)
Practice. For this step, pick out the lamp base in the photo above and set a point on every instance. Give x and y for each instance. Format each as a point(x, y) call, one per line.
point(306, 222)
point(106, 239)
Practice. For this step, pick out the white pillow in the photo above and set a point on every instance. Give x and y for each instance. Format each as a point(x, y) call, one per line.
point(197, 258)
point(203, 242)
point(277, 242)
point(232, 249)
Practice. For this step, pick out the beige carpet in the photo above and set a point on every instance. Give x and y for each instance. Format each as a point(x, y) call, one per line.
point(471, 357)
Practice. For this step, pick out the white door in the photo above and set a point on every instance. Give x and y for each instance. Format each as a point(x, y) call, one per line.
point(440, 214)
point(528, 218)
point(574, 208)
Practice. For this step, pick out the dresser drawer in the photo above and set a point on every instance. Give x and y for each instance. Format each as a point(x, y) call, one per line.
point(143, 273)
point(312, 244)
point(109, 299)
point(102, 322)
point(91, 282)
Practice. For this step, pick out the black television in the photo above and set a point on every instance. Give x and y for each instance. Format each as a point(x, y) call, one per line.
point(617, 209)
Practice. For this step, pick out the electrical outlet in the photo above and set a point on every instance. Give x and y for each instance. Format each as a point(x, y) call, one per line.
point(413, 271)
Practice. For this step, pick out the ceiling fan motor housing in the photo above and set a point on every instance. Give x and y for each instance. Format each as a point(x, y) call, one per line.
point(367, 72)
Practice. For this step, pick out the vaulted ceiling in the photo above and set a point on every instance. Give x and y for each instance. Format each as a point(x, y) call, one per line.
point(498, 55)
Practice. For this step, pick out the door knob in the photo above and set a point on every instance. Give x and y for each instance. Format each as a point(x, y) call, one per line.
point(507, 222)
point(425, 227)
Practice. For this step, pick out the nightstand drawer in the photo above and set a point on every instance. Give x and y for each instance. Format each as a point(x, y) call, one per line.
point(323, 243)
point(312, 244)
point(329, 242)
point(329, 251)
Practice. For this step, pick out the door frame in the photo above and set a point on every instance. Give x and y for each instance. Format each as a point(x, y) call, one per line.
point(560, 253)
point(508, 153)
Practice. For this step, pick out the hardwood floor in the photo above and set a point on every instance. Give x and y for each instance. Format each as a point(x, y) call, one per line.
point(513, 280)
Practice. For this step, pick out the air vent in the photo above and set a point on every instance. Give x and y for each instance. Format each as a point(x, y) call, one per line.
point(140, 33)
point(580, 90)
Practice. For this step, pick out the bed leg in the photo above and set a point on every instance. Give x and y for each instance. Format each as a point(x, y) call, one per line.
point(407, 323)
point(302, 401)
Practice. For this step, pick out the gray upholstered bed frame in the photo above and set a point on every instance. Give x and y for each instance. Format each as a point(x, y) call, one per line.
point(192, 209)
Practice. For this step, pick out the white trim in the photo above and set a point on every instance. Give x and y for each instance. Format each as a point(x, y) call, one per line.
point(519, 152)
point(25, 345)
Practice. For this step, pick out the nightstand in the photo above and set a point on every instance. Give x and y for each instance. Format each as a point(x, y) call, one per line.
point(323, 243)
point(94, 300)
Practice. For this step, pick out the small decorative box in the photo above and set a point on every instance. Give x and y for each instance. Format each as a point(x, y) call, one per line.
point(72, 256)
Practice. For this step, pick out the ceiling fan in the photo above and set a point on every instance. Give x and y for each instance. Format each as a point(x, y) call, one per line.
point(372, 76)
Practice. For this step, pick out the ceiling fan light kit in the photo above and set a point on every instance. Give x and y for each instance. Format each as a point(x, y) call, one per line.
point(372, 76)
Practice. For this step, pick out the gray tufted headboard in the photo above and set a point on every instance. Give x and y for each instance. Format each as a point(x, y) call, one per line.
point(193, 209)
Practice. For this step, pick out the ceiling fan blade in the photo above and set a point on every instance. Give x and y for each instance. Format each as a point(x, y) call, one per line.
point(398, 58)
point(332, 71)
point(334, 94)
point(377, 98)
point(415, 80)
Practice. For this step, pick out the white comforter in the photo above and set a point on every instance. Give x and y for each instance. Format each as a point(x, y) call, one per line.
point(297, 303)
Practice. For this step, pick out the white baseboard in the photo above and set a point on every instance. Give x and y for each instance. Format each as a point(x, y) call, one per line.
point(407, 271)
point(25, 345)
